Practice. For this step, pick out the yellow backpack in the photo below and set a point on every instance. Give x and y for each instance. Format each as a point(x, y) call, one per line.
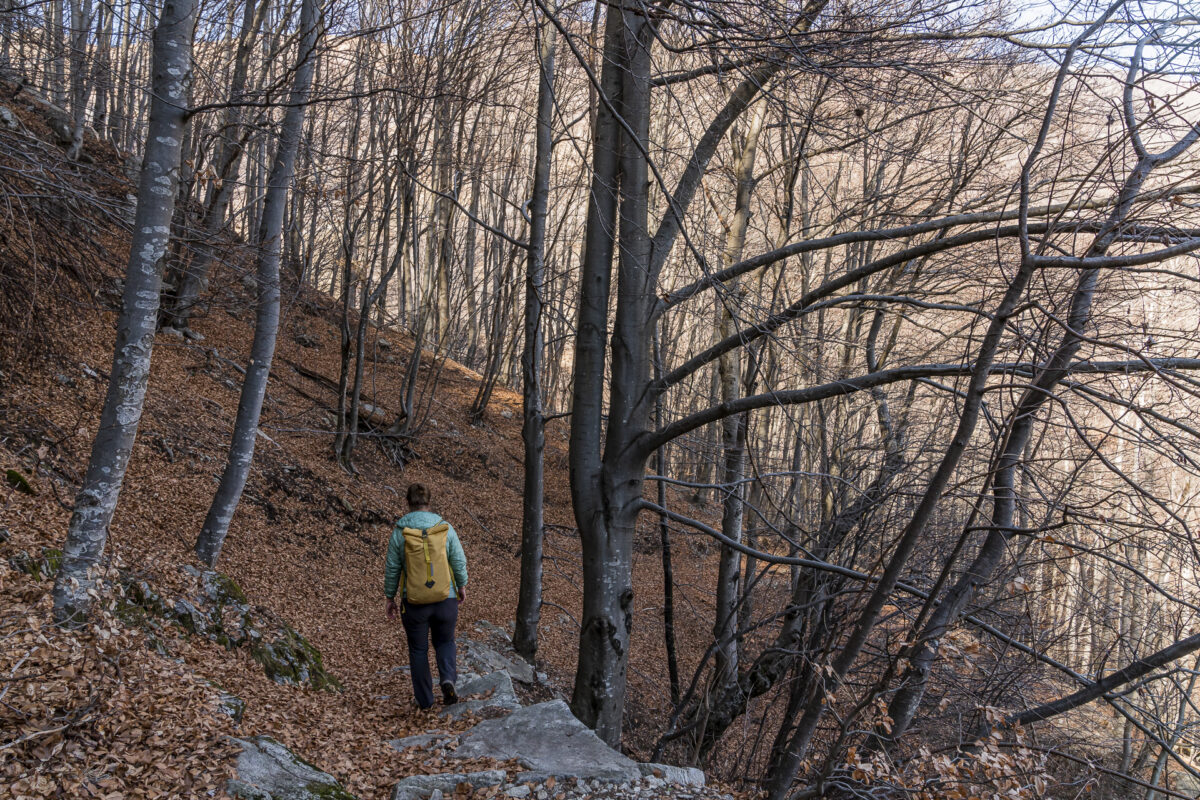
point(427, 577)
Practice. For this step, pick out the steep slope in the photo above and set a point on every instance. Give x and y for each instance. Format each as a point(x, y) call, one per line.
point(307, 542)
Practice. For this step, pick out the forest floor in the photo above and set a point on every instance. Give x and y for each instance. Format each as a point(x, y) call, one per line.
point(98, 713)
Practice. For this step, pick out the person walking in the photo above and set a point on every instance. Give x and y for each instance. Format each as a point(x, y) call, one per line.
point(426, 564)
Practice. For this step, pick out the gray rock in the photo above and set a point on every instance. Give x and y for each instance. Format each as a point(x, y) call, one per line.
point(495, 630)
point(498, 688)
point(547, 739)
point(424, 787)
point(481, 658)
point(679, 776)
point(266, 770)
point(9, 118)
point(190, 617)
point(232, 706)
point(421, 741)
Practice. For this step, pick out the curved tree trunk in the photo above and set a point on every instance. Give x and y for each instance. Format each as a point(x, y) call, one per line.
point(266, 324)
point(97, 498)
point(192, 281)
point(904, 704)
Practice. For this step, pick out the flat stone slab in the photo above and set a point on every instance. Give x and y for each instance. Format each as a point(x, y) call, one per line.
point(422, 787)
point(266, 770)
point(498, 688)
point(677, 776)
point(482, 658)
point(548, 741)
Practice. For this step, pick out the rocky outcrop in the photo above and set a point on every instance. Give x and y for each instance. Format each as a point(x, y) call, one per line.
point(548, 740)
point(266, 770)
point(422, 787)
point(221, 612)
point(481, 658)
point(480, 693)
point(560, 757)
point(676, 776)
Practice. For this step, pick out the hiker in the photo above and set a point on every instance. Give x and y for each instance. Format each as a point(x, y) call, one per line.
point(425, 561)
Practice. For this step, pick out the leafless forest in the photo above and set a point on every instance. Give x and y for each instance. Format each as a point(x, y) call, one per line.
point(894, 302)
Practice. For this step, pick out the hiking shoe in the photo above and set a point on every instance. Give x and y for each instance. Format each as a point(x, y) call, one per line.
point(449, 696)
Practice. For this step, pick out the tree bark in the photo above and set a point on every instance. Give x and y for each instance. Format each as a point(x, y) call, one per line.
point(266, 324)
point(533, 433)
point(598, 695)
point(81, 20)
point(193, 280)
point(123, 404)
point(733, 428)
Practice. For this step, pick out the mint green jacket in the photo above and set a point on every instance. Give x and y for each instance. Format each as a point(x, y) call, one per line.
point(395, 553)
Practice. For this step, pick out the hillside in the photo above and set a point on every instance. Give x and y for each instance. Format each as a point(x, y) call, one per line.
point(101, 713)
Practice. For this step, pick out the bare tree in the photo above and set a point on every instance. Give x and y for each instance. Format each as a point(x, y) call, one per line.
point(136, 325)
point(533, 427)
point(266, 323)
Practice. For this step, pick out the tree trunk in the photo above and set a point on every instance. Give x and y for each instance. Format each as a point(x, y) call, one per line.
point(370, 300)
point(533, 434)
point(81, 13)
point(733, 428)
point(664, 538)
point(123, 404)
point(193, 281)
point(598, 695)
point(102, 68)
point(906, 701)
point(266, 323)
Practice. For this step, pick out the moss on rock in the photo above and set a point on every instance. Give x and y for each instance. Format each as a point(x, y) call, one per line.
point(223, 614)
point(292, 660)
point(326, 792)
point(38, 567)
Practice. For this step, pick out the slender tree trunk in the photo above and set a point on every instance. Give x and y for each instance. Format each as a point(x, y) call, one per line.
point(101, 77)
point(123, 404)
point(56, 73)
point(533, 433)
point(664, 538)
point(6, 31)
point(81, 21)
point(193, 281)
point(370, 300)
point(733, 428)
point(349, 248)
point(266, 324)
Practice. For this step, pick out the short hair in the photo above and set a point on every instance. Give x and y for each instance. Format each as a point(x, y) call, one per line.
point(418, 494)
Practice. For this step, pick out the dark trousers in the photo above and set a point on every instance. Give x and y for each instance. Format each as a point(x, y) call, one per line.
point(420, 621)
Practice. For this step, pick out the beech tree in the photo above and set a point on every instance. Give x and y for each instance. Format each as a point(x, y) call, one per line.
point(533, 423)
point(266, 322)
point(137, 323)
